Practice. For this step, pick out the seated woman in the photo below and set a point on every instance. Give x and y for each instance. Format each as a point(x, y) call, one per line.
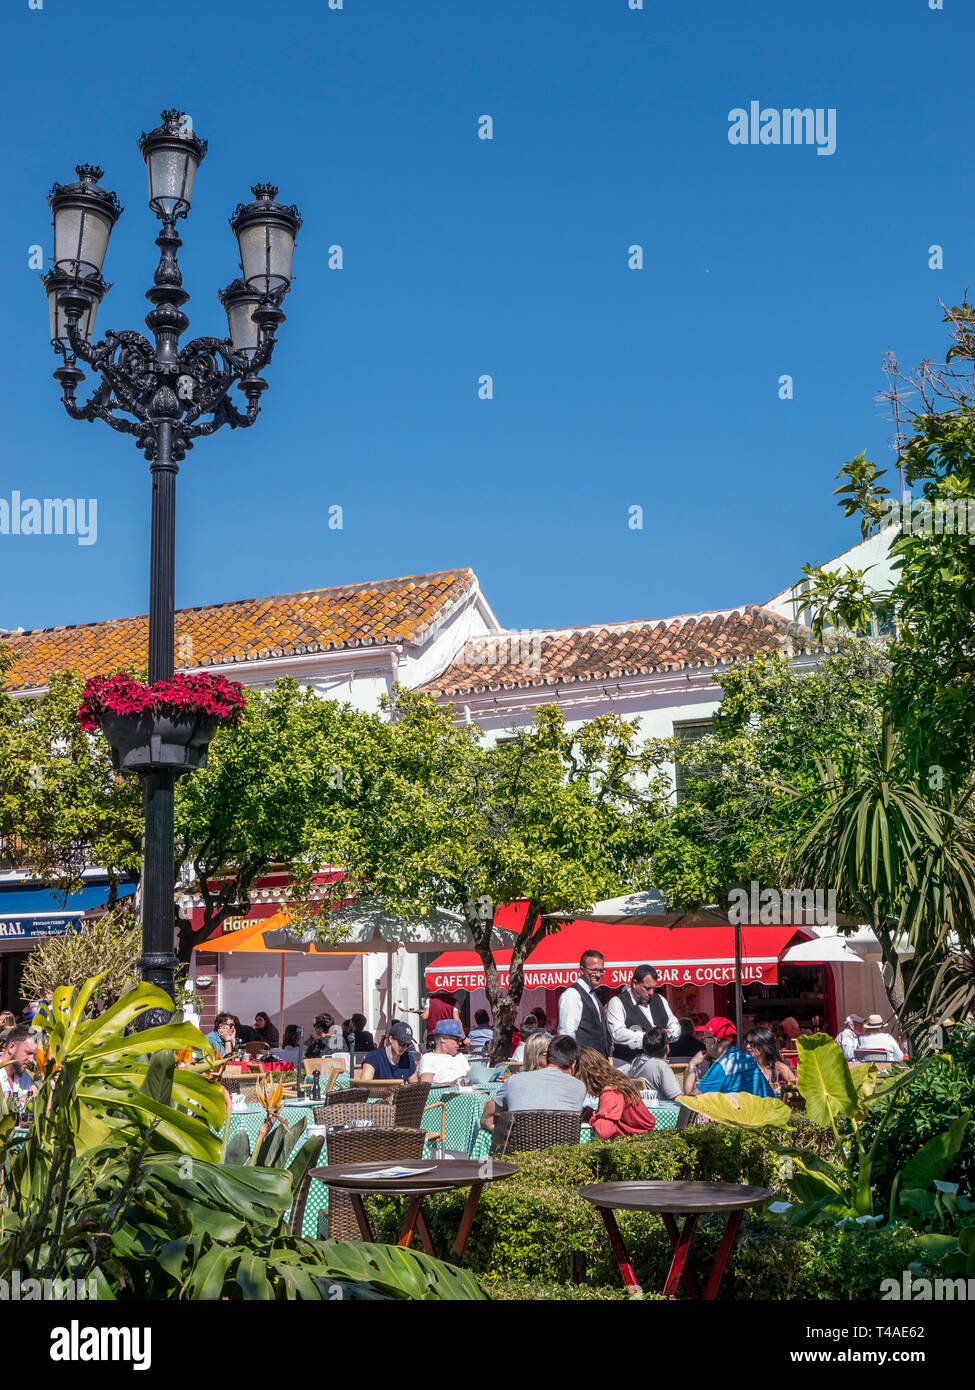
point(264, 1030)
point(535, 1057)
point(621, 1108)
point(761, 1043)
point(288, 1051)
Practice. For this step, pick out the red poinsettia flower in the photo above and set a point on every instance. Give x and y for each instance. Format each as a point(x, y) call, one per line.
point(181, 695)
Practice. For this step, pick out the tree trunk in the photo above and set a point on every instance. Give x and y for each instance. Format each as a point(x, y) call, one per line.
point(899, 980)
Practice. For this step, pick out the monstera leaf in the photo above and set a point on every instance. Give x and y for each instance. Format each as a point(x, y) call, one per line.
point(104, 1082)
point(740, 1108)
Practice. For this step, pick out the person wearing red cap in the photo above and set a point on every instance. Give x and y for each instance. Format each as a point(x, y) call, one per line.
point(731, 1069)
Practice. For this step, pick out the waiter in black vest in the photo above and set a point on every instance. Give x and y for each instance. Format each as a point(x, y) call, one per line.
point(580, 1012)
point(636, 1009)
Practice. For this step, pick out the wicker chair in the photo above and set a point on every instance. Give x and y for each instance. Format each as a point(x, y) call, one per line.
point(871, 1054)
point(354, 1095)
point(316, 1143)
point(365, 1146)
point(379, 1115)
point(520, 1131)
point(328, 1072)
point(231, 1084)
point(409, 1102)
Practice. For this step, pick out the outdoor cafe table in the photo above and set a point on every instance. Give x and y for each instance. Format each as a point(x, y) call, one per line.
point(444, 1175)
point(462, 1116)
point(670, 1199)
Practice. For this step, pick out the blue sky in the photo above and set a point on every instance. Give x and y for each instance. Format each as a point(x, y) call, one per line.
point(508, 257)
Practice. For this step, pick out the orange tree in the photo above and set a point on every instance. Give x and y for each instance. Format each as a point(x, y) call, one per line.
point(556, 816)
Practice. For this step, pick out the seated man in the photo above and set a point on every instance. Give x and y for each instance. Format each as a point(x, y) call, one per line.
point(874, 1039)
point(651, 1071)
point(552, 1087)
point(16, 1055)
point(731, 1069)
point(850, 1034)
point(481, 1035)
point(444, 1064)
point(392, 1062)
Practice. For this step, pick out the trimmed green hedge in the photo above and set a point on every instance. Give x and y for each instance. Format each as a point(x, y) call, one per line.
point(528, 1225)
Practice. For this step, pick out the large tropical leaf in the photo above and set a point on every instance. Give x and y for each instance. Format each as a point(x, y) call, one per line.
point(740, 1108)
point(934, 1159)
point(397, 1272)
point(824, 1080)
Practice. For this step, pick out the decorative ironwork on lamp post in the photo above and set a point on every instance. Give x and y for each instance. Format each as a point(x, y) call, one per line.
point(167, 397)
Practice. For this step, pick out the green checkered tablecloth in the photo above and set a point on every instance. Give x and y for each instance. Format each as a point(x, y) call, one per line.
point(462, 1116)
point(250, 1122)
point(250, 1119)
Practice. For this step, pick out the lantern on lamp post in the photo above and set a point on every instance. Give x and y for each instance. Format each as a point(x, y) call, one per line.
point(166, 397)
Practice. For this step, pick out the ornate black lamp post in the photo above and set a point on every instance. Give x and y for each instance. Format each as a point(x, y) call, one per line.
point(166, 397)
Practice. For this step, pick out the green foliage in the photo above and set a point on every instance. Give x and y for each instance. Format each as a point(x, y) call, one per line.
point(108, 948)
point(556, 816)
point(119, 1181)
point(528, 1225)
point(932, 696)
point(841, 1100)
point(102, 1087)
point(920, 1111)
point(62, 807)
point(902, 854)
point(736, 820)
point(279, 790)
point(890, 846)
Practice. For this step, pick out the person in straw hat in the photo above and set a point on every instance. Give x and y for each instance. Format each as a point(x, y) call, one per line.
point(874, 1039)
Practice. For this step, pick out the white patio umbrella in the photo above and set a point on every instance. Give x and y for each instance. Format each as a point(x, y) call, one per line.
point(821, 949)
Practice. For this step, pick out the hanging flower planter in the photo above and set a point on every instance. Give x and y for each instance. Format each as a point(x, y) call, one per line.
point(166, 727)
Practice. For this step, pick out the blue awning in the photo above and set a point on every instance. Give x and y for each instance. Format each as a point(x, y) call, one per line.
point(39, 913)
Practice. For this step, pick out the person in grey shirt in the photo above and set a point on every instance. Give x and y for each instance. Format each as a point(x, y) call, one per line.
point(651, 1071)
point(552, 1087)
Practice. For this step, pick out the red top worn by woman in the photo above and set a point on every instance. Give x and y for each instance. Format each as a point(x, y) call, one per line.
point(616, 1116)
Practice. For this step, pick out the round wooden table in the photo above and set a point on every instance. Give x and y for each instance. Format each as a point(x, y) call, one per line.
point(437, 1175)
point(667, 1200)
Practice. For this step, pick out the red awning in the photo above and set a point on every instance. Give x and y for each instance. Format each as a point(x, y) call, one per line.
point(683, 955)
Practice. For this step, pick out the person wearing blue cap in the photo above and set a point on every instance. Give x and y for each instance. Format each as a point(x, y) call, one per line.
point(444, 1064)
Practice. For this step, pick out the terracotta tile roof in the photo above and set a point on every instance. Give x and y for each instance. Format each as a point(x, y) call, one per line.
point(315, 620)
point(615, 650)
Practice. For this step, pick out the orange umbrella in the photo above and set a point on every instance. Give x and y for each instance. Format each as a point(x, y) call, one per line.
point(250, 939)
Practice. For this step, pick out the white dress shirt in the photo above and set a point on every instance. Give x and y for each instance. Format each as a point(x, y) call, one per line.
point(848, 1043)
point(631, 1037)
point(881, 1042)
point(570, 1008)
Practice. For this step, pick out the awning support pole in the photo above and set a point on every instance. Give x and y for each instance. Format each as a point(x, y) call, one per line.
point(738, 999)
